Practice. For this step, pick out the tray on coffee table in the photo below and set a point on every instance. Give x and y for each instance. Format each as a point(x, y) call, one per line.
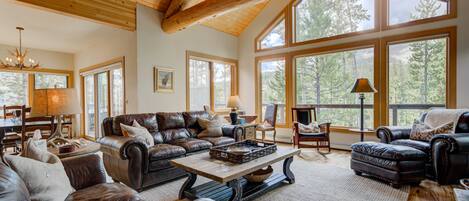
point(242, 152)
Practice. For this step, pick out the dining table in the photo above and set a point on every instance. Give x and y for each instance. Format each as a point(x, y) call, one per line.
point(14, 125)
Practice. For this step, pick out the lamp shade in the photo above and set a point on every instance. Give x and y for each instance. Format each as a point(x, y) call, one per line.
point(53, 102)
point(234, 102)
point(363, 85)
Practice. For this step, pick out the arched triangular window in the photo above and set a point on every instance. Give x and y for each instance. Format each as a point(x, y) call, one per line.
point(273, 36)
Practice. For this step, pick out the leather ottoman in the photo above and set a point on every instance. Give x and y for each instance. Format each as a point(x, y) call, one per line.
point(395, 164)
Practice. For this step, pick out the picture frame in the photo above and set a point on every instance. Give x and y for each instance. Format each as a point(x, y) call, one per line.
point(163, 80)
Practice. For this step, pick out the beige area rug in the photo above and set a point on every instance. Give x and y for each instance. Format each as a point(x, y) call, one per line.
point(315, 181)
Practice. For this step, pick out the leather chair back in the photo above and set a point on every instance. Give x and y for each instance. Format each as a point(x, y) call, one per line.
point(172, 126)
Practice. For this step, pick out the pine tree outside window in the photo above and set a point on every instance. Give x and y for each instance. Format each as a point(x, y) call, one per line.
point(272, 85)
point(274, 35)
point(50, 81)
point(13, 89)
point(413, 10)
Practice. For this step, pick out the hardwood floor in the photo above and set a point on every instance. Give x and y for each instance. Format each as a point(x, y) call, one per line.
point(427, 190)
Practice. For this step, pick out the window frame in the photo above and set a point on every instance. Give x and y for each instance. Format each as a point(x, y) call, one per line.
point(211, 59)
point(61, 74)
point(274, 23)
point(292, 19)
point(452, 13)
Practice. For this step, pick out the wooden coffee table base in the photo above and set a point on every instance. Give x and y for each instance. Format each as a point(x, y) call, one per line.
point(237, 189)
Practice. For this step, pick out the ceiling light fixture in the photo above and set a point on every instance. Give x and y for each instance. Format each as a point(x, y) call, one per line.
point(19, 57)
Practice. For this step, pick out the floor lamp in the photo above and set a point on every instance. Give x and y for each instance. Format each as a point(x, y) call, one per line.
point(362, 86)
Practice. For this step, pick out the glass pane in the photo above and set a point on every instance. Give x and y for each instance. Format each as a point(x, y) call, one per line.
point(275, 38)
point(13, 89)
point(199, 81)
point(102, 99)
point(316, 19)
point(326, 80)
point(273, 86)
point(417, 78)
point(222, 84)
point(411, 10)
point(49, 81)
point(117, 86)
point(89, 106)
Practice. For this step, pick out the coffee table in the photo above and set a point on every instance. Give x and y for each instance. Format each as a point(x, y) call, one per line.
point(228, 182)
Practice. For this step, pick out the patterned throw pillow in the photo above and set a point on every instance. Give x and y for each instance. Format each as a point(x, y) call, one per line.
point(139, 132)
point(423, 132)
point(211, 127)
point(310, 128)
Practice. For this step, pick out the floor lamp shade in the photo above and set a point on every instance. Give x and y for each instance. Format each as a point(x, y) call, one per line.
point(363, 85)
point(54, 102)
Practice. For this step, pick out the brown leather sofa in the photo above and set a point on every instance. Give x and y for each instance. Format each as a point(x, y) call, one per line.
point(447, 154)
point(132, 163)
point(86, 174)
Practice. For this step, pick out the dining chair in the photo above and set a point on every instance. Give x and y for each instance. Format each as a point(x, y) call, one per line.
point(12, 139)
point(29, 124)
point(67, 129)
point(9, 111)
point(306, 115)
point(270, 119)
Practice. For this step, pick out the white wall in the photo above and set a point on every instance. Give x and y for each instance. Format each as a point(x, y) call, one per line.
point(156, 48)
point(47, 59)
point(340, 140)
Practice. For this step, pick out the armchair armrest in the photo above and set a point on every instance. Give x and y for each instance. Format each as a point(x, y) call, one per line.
point(84, 171)
point(325, 127)
point(449, 157)
point(232, 131)
point(454, 142)
point(387, 134)
point(119, 146)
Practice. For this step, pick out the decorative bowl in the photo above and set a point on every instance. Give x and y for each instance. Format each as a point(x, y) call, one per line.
point(259, 175)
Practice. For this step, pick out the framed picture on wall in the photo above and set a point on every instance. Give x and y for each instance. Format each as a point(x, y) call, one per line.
point(163, 80)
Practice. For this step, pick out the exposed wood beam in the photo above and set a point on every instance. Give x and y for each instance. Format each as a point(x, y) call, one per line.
point(202, 11)
point(173, 8)
point(117, 13)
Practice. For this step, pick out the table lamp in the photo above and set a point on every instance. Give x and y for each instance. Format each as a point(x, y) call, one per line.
point(233, 103)
point(55, 102)
point(362, 86)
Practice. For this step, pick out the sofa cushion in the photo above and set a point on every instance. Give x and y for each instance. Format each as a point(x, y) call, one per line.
point(106, 191)
point(174, 134)
point(191, 119)
point(192, 144)
point(12, 187)
point(420, 145)
point(217, 141)
point(170, 120)
point(146, 120)
point(165, 151)
point(388, 151)
point(138, 132)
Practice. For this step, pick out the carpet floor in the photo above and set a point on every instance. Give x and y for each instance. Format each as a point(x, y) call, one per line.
point(315, 180)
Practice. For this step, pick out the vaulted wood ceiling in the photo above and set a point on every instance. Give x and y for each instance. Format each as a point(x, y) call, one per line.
point(233, 22)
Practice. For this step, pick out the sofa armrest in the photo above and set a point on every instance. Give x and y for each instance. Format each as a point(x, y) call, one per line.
point(387, 134)
point(119, 146)
point(84, 171)
point(454, 142)
point(233, 131)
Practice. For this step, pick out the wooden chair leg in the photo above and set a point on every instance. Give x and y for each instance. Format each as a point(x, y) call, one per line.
point(263, 136)
point(275, 134)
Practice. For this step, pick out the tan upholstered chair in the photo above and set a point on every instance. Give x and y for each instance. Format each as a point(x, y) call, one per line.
point(270, 119)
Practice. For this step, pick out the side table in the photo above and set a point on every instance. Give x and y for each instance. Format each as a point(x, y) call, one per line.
point(249, 131)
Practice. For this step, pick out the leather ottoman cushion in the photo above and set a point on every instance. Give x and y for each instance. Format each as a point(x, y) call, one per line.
point(192, 144)
point(217, 141)
point(388, 151)
point(165, 151)
point(420, 145)
point(106, 191)
point(389, 164)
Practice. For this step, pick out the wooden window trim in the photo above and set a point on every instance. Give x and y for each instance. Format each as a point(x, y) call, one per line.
point(452, 13)
point(211, 59)
point(336, 37)
point(274, 23)
point(93, 70)
point(451, 66)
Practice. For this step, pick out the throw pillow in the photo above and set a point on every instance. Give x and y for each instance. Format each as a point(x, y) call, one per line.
point(211, 128)
point(138, 132)
point(310, 128)
point(43, 174)
point(425, 133)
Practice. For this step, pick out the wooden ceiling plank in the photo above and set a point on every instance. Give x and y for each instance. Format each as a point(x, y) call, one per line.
point(121, 13)
point(202, 11)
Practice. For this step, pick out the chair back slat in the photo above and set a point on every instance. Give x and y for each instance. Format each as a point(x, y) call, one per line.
point(30, 124)
point(9, 111)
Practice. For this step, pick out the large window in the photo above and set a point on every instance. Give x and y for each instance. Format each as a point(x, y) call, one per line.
point(413, 10)
point(417, 78)
point(13, 89)
point(274, 36)
point(272, 86)
point(50, 81)
point(325, 81)
point(211, 81)
point(316, 19)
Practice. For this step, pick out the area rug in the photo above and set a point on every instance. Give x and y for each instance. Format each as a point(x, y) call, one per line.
point(314, 181)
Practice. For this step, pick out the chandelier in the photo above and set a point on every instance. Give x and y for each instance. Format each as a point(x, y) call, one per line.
point(18, 59)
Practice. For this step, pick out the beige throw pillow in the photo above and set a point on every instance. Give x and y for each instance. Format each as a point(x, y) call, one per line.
point(43, 174)
point(423, 132)
point(139, 132)
point(211, 128)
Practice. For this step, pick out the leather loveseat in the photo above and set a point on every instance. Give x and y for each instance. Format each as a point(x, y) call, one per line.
point(175, 135)
point(86, 174)
point(447, 154)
